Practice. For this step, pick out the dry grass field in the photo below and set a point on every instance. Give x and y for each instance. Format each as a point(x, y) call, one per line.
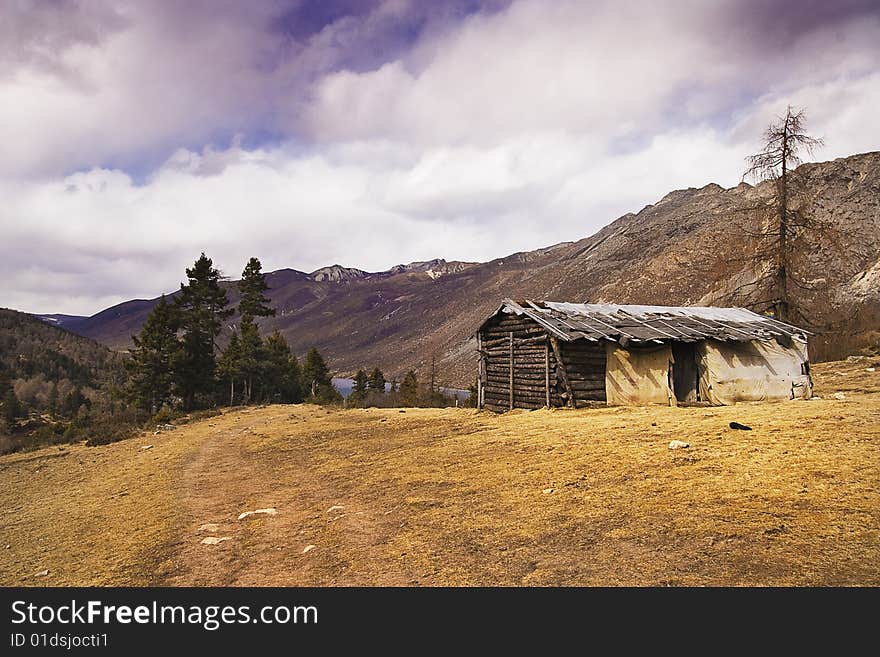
point(460, 497)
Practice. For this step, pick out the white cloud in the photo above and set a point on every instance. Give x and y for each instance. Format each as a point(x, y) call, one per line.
point(503, 132)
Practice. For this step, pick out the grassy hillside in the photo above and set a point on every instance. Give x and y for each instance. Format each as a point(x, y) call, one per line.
point(460, 497)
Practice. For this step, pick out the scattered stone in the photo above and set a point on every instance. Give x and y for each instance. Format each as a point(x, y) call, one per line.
point(336, 507)
point(839, 396)
point(548, 491)
point(209, 527)
point(214, 540)
point(308, 548)
point(269, 512)
point(146, 447)
point(741, 427)
point(678, 444)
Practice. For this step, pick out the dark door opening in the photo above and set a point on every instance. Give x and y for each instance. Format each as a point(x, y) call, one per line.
point(685, 375)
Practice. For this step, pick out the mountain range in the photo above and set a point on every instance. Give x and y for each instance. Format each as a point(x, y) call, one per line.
point(694, 246)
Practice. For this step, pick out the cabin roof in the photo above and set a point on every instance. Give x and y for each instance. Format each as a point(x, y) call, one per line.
point(602, 321)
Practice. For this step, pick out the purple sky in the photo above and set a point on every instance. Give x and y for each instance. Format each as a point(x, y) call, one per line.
point(137, 134)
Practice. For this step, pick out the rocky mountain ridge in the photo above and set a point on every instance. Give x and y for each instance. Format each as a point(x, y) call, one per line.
point(693, 247)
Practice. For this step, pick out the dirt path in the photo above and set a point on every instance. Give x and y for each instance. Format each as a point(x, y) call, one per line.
point(317, 535)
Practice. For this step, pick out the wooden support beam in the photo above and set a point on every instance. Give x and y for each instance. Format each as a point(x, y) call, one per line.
point(560, 369)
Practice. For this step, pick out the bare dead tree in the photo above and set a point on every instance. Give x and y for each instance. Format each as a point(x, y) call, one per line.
point(784, 142)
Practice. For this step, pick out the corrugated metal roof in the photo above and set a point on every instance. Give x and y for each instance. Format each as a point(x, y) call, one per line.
point(598, 321)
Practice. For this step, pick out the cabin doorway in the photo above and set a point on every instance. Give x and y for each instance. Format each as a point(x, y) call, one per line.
point(685, 374)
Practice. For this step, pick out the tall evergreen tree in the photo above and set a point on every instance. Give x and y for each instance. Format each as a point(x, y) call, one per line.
point(281, 373)
point(359, 390)
point(252, 286)
point(251, 356)
point(12, 408)
point(316, 378)
point(202, 309)
point(409, 389)
point(52, 399)
point(153, 358)
point(229, 365)
point(377, 381)
point(253, 304)
point(784, 142)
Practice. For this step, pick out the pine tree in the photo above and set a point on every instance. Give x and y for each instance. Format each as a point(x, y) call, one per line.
point(316, 379)
point(153, 358)
point(52, 400)
point(252, 286)
point(12, 408)
point(5, 383)
point(202, 309)
point(253, 304)
point(74, 401)
point(250, 356)
point(229, 365)
point(281, 375)
point(409, 389)
point(359, 390)
point(377, 381)
point(783, 143)
point(473, 392)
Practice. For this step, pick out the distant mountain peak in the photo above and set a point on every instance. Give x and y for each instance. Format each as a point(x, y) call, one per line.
point(337, 274)
point(434, 268)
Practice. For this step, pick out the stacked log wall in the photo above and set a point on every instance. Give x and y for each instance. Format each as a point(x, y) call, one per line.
point(585, 363)
point(531, 357)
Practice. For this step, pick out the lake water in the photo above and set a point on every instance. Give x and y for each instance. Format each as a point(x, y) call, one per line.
point(344, 387)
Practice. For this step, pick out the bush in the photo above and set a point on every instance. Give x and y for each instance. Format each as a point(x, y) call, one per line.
point(165, 415)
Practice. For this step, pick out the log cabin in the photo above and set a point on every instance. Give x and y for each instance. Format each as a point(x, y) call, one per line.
point(555, 354)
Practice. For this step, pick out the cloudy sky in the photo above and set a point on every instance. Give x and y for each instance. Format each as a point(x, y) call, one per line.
point(136, 134)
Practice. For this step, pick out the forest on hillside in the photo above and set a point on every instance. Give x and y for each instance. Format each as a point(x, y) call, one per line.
point(57, 387)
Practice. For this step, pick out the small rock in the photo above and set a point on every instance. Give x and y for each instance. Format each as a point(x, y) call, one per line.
point(8, 546)
point(269, 512)
point(547, 491)
point(308, 548)
point(145, 447)
point(839, 396)
point(209, 527)
point(678, 444)
point(42, 573)
point(741, 427)
point(870, 369)
point(213, 540)
point(336, 507)
point(653, 424)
